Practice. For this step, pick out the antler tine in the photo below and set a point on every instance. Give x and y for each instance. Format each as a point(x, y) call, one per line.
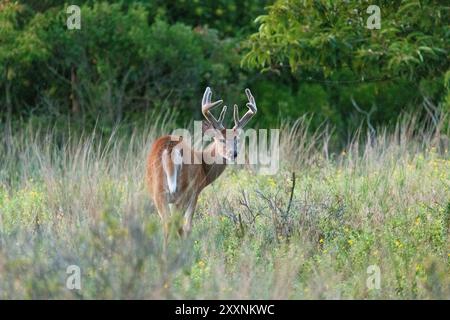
point(251, 105)
point(207, 105)
point(236, 115)
point(222, 115)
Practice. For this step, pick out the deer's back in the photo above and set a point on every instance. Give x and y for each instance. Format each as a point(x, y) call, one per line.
point(160, 166)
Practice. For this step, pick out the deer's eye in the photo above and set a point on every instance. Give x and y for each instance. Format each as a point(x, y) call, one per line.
point(222, 140)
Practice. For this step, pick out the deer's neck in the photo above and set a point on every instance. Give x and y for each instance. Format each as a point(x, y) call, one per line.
point(214, 170)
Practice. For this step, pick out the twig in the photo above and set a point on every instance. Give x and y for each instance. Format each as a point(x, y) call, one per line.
point(292, 194)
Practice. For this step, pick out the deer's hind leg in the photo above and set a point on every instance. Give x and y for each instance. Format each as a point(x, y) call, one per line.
point(187, 209)
point(164, 213)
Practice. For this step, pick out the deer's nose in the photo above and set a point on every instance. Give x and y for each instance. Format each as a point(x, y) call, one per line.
point(235, 154)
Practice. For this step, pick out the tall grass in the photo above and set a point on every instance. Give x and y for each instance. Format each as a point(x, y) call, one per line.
point(78, 198)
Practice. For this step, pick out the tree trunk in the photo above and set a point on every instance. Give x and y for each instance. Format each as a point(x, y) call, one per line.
point(73, 95)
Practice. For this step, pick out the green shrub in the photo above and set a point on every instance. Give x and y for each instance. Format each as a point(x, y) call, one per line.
point(117, 65)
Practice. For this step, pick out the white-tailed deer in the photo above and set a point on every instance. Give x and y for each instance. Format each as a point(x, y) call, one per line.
point(179, 184)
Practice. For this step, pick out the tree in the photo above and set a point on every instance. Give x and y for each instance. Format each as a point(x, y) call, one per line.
point(326, 35)
point(18, 48)
point(328, 42)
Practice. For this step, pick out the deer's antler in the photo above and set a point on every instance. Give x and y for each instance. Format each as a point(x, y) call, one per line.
point(251, 105)
point(207, 105)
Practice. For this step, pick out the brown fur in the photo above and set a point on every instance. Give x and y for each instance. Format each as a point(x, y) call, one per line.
point(191, 180)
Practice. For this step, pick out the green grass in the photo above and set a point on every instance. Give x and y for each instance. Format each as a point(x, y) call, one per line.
point(77, 199)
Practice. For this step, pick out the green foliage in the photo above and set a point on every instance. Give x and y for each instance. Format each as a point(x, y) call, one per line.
point(280, 101)
point(327, 42)
point(117, 65)
point(324, 36)
point(229, 17)
point(134, 56)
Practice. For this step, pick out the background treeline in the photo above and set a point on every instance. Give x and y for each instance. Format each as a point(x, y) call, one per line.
point(134, 57)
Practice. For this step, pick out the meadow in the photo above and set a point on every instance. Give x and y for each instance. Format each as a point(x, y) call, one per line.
point(78, 198)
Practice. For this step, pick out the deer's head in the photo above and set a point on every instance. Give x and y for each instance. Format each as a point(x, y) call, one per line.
point(226, 141)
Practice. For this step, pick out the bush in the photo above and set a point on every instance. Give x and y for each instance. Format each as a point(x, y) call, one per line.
point(114, 67)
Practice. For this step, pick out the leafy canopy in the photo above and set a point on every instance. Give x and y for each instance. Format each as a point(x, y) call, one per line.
point(325, 36)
